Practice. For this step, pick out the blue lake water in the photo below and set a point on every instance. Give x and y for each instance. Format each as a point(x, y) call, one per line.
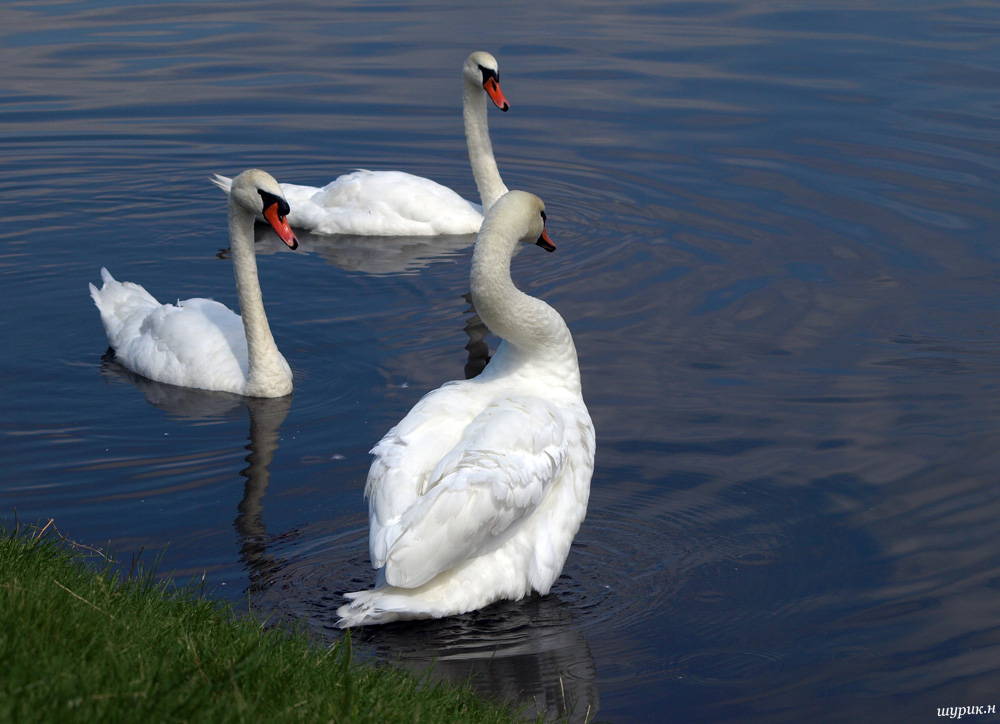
point(778, 244)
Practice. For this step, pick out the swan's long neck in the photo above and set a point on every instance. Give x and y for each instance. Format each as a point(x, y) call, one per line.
point(477, 137)
point(531, 327)
point(267, 374)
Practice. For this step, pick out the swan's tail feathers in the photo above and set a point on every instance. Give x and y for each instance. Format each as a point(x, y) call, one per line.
point(103, 297)
point(383, 606)
point(114, 291)
point(222, 182)
point(117, 301)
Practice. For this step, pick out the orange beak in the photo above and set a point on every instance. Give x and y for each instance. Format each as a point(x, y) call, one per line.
point(492, 88)
point(545, 242)
point(280, 225)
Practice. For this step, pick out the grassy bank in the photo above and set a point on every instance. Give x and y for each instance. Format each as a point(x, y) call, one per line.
point(83, 644)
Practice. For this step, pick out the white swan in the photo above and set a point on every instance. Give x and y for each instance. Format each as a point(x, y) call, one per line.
point(395, 203)
point(476, 495)
point(199, 342)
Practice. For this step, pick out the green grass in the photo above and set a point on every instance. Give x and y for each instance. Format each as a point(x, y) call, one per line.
point(84, 644)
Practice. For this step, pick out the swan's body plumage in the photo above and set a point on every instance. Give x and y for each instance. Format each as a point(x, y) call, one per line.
point(382, 203)
point(477, 494)
point(170, 343)
point(396, 203)
point(199, 342)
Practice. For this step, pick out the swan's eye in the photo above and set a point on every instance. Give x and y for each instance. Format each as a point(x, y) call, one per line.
point(488, 74)
point(544, 218)
point(270, 199)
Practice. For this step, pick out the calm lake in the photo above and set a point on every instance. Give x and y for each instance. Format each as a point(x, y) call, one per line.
point(778, 244)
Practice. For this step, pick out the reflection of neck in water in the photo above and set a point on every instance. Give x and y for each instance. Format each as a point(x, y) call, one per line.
point(530, 652)
point(266, 416)
point(479, 351)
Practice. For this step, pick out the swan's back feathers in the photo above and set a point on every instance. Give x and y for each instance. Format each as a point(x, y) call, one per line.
point(386, 203)
point(500, 472)
point(402, 192)
point(453, 477)
point(201, 329)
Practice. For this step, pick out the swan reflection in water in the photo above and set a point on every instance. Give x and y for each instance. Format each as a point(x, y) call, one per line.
point(529, 652)
point(370, 254)
point(266, 417)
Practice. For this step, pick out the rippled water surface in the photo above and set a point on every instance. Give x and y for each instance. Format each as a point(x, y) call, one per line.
point(778, 252)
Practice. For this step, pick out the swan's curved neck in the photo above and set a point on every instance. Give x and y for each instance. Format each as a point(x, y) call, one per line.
point(477, 137)
point(265, 366)
point(527, 324)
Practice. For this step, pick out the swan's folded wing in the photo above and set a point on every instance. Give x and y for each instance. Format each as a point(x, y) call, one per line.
point(387, 203)
point(408, 454)
point(480, 491)
point(190, 344)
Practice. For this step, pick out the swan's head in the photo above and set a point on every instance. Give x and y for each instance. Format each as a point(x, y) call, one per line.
point(524, 212)
point(481, 69)
point(259, 193)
